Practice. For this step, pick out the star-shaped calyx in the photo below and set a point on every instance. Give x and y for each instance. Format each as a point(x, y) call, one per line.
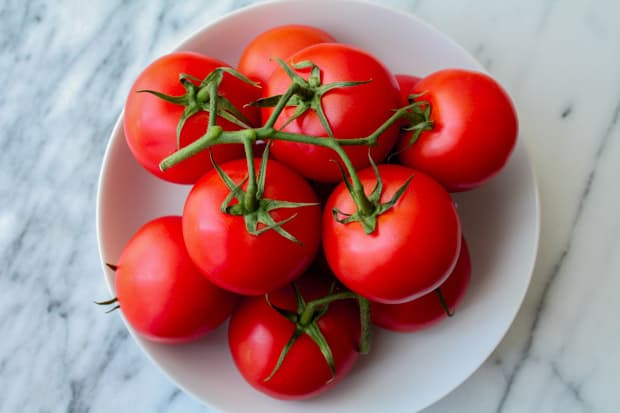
point(252, 205)
point(202, 95)
point(305, 94)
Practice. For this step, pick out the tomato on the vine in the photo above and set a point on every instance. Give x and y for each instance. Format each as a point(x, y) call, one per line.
point(350, 111)
point(231, 257)
point(258, 59)
point(431, 308)
point(150, 122)
point(413, 248)
point(474, 129)
point(259, 331)
point(161, 293)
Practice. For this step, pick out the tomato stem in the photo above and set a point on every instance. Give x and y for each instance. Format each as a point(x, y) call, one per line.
point(308, 314)
point(365, 322)
point(110, 302)
point(282, 102)
point(310, 310)
point(212, 90)
point(195, 147)
point(443, 302)
point(250, 203)
point(416, 113)
point(361, 200)
point(364, 206)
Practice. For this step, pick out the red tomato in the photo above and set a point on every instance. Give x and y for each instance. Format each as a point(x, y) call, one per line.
point(161, 293)
point(257, 334)
point(474, 132)
point(150, 123)
point(427, 310)
point(234, 259)
point(415, 244)
point(352, 112)
point(258, 59)
point(406, 84)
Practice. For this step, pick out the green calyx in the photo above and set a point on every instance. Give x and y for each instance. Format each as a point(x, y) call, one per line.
point(305, 319)
point(305, 94)
point(112, 301)
point(418, 117)
point(202, 95)
point(368, 217)
point(251, 204)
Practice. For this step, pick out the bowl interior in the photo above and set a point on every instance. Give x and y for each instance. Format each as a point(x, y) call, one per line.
point(500, 221)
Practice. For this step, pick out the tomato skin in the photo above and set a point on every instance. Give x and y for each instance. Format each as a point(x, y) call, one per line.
point(475, 129)
point(352, 112)
point(161, 293)
point(258, 59)
point(426, 311)
point(258, 333)
point(415, 244)
point(150, 123)
point(232, 258)
point(406, 84)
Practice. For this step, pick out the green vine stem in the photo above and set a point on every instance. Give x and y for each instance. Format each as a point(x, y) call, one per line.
point(305, 319)
point(417, 114)
point(312, 307)
point(282, 102)
point(250, 200)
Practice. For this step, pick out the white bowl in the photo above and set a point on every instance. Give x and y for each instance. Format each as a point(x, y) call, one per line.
point(404, 372)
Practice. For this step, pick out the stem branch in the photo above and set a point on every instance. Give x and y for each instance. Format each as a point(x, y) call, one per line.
point(213, 136)
point(250, 202)
point(294, 88)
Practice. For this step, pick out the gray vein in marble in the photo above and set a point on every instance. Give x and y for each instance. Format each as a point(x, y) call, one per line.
point(573, 388)
point(155, 37)
point(568, 110)
point(170, 399)
point(557, 268)
point(82, 390)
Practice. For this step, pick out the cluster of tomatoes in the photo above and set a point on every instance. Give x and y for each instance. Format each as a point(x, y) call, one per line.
point(320, 201)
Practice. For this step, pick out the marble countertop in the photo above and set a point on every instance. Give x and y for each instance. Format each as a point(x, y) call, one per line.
point(65, 68)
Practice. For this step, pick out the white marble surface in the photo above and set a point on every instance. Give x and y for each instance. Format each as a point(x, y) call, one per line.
point(65, 68)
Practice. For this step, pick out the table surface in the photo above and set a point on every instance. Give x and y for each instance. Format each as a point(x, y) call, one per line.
point(66, 68)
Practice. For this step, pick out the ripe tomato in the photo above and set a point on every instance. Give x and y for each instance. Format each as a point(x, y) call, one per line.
point(474, 131)
point(257, 334)
point(161, 293)
point(240, 262)
point(258, 59)
point(150, 123)
point(427, 310)
point(415, 244)
point(352, 112)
